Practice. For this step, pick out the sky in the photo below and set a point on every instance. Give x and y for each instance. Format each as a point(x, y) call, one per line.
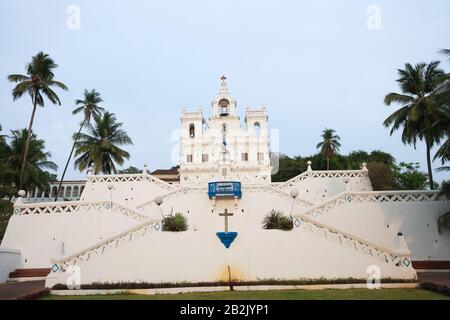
point(314, 64)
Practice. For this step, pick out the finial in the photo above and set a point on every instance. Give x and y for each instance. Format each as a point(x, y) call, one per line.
point(19, 200)
point(294, 193)
point(223, 86)
point(145, 167)
point(364, 166)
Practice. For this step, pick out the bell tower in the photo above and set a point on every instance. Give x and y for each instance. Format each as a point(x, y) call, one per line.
point(224, 105)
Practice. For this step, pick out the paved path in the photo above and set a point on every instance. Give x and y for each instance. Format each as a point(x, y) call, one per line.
point(14, 290)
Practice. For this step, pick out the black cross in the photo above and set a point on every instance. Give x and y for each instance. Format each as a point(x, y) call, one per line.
point(226, 214)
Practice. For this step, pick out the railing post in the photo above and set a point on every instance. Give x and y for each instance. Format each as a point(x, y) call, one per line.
point(19, 202)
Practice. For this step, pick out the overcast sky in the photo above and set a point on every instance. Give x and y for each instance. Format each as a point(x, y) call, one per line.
point(315, 64)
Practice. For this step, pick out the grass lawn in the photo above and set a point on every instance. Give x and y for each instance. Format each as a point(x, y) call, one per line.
point(344, 294)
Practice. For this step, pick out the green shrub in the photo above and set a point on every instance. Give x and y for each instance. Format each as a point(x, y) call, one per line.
point(175, 223)
point(277, 220)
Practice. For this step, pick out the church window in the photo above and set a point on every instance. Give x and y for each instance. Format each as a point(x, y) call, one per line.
point(205, 157)
point(191, 131)
point(224, 127)
point(245, 156)
point(224, 172)
point(257, 128)
point(75, 192)
point(68, 192)
point(260, 156)
point(189, 158)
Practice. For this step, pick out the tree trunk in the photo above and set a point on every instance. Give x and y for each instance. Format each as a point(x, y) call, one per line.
point(430, 170)
point(27, 144)
point(328, 163)
point(68, 160)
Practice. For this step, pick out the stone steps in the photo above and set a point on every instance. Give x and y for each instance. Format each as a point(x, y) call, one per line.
point(21, 275)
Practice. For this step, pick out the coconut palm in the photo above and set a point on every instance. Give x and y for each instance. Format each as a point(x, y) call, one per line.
point(38, 83)
point(442, 124)
point(100, 147)
point(89, 107)
point(35, 174)
point(329, 145)
point(419, 85)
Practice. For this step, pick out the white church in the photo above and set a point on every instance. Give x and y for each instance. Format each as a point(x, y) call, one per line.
point(113, 233)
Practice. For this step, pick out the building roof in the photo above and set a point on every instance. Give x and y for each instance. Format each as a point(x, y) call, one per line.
point(172, 171)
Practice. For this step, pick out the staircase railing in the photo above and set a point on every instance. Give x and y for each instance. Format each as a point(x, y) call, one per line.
point(130, 178)
point(322, 174)
point(370, 196)
point(71, 207)
point(398, 258)
point(104, 246)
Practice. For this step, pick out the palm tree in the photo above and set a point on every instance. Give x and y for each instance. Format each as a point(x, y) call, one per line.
point(442, 124)
point(36, 164)
point(100, 148)
point(419, 85)
point(89, 106)
point(37, 82)
point(330, 144)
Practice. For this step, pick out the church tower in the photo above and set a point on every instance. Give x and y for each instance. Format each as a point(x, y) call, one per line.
point(225, 150)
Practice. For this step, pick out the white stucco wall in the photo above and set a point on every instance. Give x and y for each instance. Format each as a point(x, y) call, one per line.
point(200, 256)
point(9, 261)
point(380, 222)
point(126, 189)
point(39, 236)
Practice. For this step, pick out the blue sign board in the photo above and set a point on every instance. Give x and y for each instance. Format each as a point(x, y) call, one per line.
point(224, 189)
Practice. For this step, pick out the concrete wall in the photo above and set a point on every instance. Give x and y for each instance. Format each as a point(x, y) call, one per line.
point(9, 261)
point(200, 256)
point(318, 186)
point(39, 236)
point(131, 193)
point(380, 222)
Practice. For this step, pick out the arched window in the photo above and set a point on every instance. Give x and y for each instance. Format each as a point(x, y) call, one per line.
point(54, 191)
point(191, 131)
point(68, 192)
point(61, 192)
point(75, 192)
point(257, 128)
point(224, 107)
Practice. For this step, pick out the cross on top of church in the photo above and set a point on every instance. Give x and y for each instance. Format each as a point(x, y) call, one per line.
point(226, 214)
point(223, 86)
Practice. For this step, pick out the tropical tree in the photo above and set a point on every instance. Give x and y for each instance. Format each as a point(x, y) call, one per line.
point(89, 106)
point(329, 145)
point(419, 85)
point(130, 170)
point(100, 146)
point(38, 83)
point(35, 174)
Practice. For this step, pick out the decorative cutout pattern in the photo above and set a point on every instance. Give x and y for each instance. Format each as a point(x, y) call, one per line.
point(323, 174)
point(112, 243)
point(387, 255)
point(130, 178)
point(371, 196)
point(71, 207)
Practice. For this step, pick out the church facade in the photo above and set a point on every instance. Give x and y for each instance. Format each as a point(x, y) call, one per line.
point(221, 149)
point(341, 227)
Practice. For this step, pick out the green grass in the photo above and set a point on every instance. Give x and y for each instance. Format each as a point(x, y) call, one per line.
point(339, 294)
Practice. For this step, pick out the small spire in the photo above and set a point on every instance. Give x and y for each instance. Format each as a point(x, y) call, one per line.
point(223, 86)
